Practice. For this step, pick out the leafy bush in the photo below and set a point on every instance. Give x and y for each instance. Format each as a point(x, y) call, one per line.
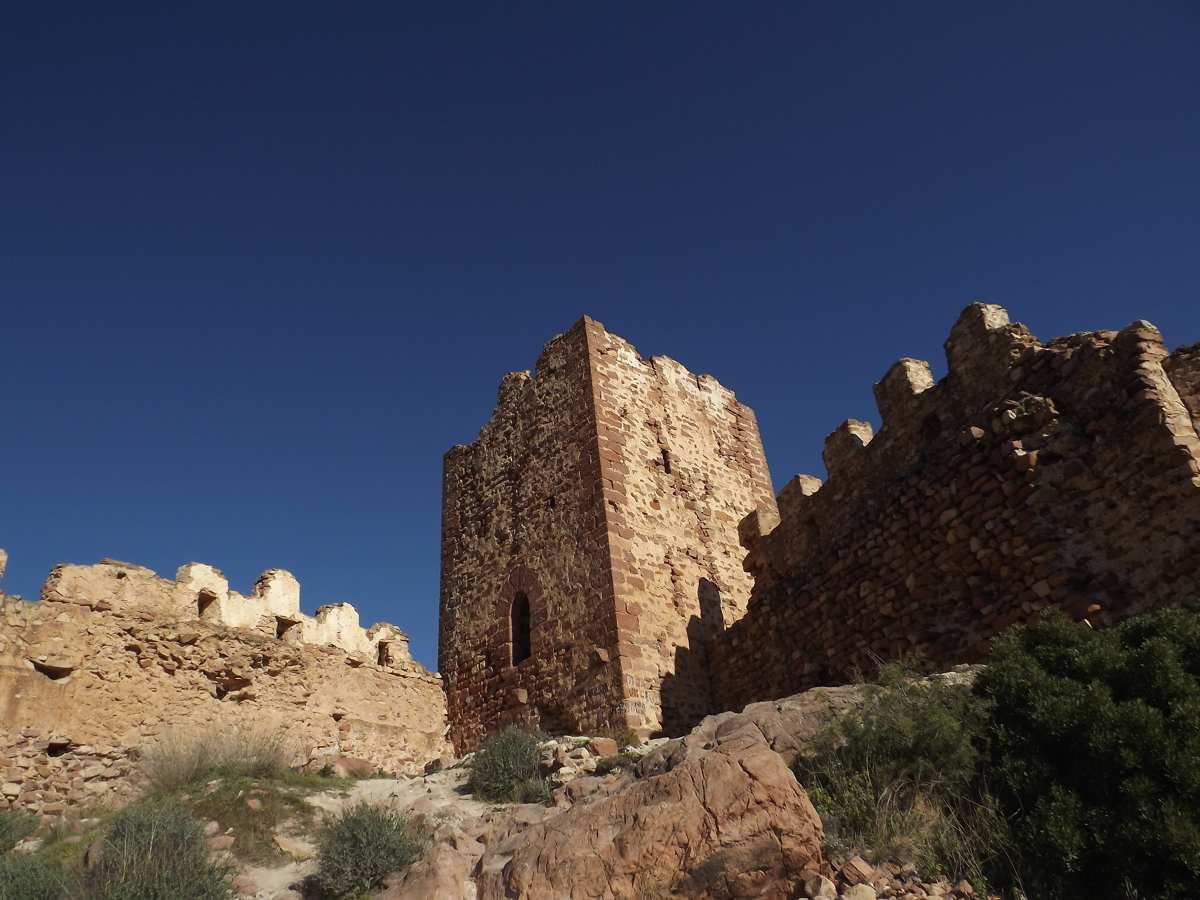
point(364, 844)
point(506, 768)
point(1096, 753)
point(900, 777)
point(30, 878)
point(184, 757)
point(155, 850)
point(15, 826)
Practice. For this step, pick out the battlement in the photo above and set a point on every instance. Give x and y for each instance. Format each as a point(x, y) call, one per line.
point(201, 592)
point(988, 358)
point(1064, 472)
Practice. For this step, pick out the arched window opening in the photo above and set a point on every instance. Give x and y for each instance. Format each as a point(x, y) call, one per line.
point(521, 645)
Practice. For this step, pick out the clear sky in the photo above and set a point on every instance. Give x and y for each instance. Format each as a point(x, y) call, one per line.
point(261, 264)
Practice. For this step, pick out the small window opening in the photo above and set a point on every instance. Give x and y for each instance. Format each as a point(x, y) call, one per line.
point(384, 649)
point(204, 603)
point(553, 502)
point(521, 645)
point(282, 626)
point(59, 748)
point(666, 456)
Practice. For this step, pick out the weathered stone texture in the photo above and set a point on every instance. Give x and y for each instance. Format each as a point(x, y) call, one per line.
point(523, 513)
point(1035, 474)
point(606, 489)
point(114, 659)
point(681, 462)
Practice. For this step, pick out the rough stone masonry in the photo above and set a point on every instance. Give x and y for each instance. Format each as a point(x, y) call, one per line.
point(591, 574)
point(589, 540)
point(1064, 473)
point(114, 659)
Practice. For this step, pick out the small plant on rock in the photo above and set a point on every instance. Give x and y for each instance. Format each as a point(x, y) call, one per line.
point(506, 768)
point(363, 845)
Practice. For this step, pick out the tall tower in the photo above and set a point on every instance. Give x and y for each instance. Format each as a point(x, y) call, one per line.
point(589, 542)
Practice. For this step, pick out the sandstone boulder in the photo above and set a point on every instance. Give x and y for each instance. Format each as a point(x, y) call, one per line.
point(727, 822)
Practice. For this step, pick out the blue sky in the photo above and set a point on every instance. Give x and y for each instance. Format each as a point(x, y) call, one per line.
point(262, 264)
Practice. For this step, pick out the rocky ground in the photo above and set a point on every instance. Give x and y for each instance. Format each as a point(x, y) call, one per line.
point(716, 813)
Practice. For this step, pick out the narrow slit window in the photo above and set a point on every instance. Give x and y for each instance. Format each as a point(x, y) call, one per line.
point(522, 647)
point(385, 653)
point(666, 456)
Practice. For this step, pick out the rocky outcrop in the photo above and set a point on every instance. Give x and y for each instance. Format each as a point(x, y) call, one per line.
point(730, 822)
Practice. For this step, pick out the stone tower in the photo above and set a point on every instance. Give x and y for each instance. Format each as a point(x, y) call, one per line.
point(589, 542)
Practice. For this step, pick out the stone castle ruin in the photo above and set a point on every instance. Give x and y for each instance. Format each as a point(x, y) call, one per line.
point(583, 532)
point(613, 556)
point(115, 659)
point(596, 537)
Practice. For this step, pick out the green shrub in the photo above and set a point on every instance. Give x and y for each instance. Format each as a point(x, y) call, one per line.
point(1096, 754)
point(900, 778)
point(363, 844)
point(15, 826)
point(25, 877)
point(155, 850)
point(506, 768)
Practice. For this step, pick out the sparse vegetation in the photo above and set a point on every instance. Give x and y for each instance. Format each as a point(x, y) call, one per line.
point(25, 877)
point(622, 734)
point(155, 850)
point(900, 778)
point(15, 826)
point(1071, 769)
point(622, 760)
point(182, 758)
point(506, 769)
point(1095, 752)
point(365, 843)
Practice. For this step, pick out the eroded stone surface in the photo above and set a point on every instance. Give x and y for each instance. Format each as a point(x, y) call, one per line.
point(113, 660)
point(1063, 473)
point(604, 492)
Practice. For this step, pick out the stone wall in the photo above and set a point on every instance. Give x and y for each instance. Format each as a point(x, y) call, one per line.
point(523, 513)
point(681, 462)
point(1035, 474)
point(202, 592)
point(605, 489)
point(114, 659)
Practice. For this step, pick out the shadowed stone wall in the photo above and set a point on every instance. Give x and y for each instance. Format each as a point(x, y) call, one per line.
point(605, 491)
point(1064, 473)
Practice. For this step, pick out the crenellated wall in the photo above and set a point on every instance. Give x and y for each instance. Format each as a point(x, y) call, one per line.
point(114, 659)
point(201, 592)
point(1064, 473)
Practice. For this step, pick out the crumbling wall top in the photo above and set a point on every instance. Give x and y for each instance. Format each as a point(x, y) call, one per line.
point(201, 592)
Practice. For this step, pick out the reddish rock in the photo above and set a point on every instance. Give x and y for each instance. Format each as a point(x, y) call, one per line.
point(732, 822)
